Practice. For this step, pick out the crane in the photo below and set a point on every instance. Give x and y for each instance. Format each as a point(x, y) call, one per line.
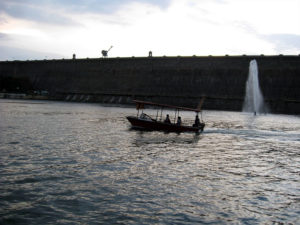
point(104, 52)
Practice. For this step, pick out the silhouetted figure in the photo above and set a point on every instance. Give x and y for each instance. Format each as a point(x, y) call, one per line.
point(197, 122)
point(167, 120)
point(254, 113)
point(179, 121)
point(143, 116)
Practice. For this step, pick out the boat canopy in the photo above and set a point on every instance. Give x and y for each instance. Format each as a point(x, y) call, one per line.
point(140, 105)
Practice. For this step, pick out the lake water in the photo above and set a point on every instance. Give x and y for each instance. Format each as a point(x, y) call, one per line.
point(71, 163)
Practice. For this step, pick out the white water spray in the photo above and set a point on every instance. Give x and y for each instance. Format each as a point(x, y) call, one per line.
point(254, 101)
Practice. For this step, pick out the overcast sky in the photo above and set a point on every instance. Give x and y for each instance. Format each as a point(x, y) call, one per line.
point(39, 29)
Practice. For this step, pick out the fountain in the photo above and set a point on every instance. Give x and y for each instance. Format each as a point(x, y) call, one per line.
point(254, 101)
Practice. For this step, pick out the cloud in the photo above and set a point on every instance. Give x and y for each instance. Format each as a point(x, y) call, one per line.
point(284, 42)
point(167, 27)
point(105, 6)
point(3, 36)
point(34, 12)
point(3, 20)
point(11, 53)
point(57, 11)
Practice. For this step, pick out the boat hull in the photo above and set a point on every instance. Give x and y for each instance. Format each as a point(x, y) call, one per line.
point(156, 125)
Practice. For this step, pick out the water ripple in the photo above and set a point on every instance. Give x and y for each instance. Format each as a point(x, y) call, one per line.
point(65, 163)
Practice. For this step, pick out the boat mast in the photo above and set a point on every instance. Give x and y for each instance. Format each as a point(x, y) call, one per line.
point(176, 114)
point(162, 108)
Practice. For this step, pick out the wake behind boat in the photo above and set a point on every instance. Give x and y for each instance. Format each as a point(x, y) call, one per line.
point(146, 122)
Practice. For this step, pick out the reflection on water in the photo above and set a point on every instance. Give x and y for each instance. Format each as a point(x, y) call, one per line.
point(67, 163)
point(155, 137)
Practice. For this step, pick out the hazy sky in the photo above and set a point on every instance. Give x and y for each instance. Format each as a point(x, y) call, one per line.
point(38, 29)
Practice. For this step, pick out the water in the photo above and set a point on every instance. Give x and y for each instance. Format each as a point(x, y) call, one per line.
point(254, 101)
point(67, 163)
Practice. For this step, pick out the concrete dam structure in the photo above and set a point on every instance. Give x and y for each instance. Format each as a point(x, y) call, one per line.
point(178, 80)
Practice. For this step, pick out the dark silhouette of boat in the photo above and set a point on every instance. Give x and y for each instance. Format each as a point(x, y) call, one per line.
point(146, 122)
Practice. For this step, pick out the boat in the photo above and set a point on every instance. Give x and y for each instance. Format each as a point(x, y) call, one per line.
point(145, 122)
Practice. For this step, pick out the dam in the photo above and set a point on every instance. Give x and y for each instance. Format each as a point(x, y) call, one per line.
point(174, 80)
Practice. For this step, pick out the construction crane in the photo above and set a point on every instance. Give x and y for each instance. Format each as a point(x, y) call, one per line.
point(104, 52)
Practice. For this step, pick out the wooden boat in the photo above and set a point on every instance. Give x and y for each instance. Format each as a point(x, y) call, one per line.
point(146, 122)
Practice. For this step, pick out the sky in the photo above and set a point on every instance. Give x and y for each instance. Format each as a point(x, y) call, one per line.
point(53, 29)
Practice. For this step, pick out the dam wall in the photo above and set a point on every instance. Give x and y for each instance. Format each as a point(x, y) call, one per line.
point(173, 80)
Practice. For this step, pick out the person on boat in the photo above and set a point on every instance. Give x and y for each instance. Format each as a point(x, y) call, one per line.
point(178, 121)
point(167, 120)
point(143, 116)
point(197, 122)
